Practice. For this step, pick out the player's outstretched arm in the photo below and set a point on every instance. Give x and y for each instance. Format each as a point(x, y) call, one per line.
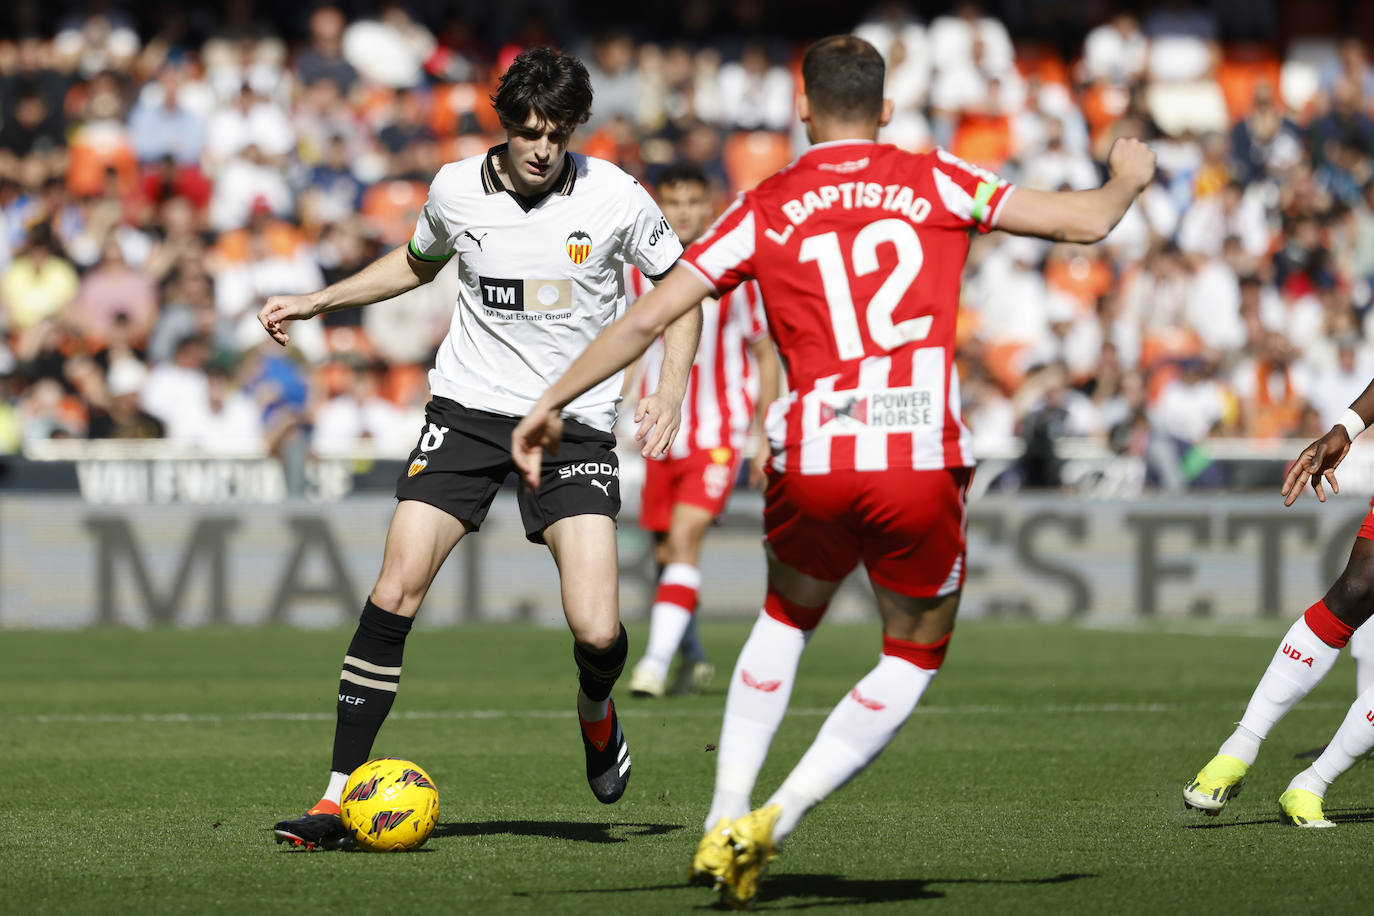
point(1319, 460)
point(390, 275)
point(659, 414)
point(612, 350)
point(770, 386)
point(1082, 216)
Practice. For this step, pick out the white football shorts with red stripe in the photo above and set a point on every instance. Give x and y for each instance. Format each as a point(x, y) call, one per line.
point(704, 478)
point(906, 526)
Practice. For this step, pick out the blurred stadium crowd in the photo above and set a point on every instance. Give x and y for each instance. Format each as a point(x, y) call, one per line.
point(156, 184)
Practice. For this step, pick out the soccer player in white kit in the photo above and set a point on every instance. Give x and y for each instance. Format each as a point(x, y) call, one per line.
point(858, 248)
point(542, 237)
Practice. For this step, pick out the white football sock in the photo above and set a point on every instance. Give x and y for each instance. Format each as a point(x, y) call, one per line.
point(674, 603)
point(853, 735)
point(759, 690)
point(1362, 650)
point(592, 710)
point(334, 792)
point(1352, 740)
point(1299, 665)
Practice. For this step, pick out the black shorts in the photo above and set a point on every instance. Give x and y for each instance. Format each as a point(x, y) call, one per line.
point(463, 457)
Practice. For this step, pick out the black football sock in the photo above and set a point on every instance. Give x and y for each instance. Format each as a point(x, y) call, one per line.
point(597, 671)
point(367, 686)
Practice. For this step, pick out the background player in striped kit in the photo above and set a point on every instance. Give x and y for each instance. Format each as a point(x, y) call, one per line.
point(735, 376)
point(859, 249)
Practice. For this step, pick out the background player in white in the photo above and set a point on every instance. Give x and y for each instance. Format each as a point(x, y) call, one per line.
point(858, 248)
point(1306, 655)
point(542, 237)
point(735, 376)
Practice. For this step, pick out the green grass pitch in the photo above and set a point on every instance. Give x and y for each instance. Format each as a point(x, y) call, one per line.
point(1041, 774)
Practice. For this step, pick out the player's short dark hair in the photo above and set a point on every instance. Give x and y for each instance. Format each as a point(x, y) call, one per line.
point(553, 85)
point(683, 173)
point(843, 76)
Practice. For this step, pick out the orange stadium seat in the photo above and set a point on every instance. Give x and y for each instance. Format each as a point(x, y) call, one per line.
point(1041, 61)
point(390, 209)
point(452, 103)
point(406, 384)
point(1243, 67)
point(984, 140)
point(751, 156)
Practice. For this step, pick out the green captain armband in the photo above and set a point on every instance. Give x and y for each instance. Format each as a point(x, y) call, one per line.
point(981, 195)
point(427, 257)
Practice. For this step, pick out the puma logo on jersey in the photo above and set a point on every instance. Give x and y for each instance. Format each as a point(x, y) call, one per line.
point(475, 238)
point(763, 686)
point(603, 487)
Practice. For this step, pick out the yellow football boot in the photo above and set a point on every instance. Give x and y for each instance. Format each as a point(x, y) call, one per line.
point(751, 837)
point(1219, 781)
point(714, 857)
point(1301, 808)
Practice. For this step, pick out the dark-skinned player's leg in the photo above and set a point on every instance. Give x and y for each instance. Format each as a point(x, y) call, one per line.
point(1304, 657)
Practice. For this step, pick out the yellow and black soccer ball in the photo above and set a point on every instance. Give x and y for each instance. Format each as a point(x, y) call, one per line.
point(389, 805)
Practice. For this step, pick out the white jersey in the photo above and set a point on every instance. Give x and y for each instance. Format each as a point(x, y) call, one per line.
point(724, 383)
point(539, 278)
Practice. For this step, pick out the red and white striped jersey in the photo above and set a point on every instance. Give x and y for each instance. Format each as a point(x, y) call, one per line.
point(724, 384)
point(858, 248)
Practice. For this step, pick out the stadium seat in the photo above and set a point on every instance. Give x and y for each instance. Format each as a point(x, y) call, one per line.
point(457, 109)
point(390, 209)
point(1242, 68)
point(1039, 60)
point(406, 384)
point(752, 156)
point(984, 140)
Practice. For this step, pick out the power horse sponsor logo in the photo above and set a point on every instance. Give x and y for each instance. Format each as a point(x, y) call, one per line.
point(890, 410)
point(383, 821)
point(364, 790)
point(579, 246)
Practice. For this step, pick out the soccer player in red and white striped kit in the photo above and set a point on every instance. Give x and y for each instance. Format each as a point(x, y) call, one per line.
point(858, 248)
point(734, 376)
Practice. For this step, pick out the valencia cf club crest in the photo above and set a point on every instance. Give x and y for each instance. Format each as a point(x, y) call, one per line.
point(579, 246)
point(419, 464)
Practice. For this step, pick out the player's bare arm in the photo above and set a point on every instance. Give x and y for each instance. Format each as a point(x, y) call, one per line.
point(770, 386)
point(1319, 460)
point(393, 273)
point(659, 414)
point(614, 349)
point(1082, 216)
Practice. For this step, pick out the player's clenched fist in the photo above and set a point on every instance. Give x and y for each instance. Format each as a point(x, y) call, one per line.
point(280, 309)
point(1132, 160)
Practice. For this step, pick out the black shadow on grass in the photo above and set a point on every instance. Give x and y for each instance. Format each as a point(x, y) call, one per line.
point(833, 890)
point(577, 831)
point(1336, 815)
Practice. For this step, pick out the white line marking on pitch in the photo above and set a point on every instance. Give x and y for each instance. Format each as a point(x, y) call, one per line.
point(192, 718)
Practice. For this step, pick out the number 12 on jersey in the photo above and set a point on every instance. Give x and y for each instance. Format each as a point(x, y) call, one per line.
point(824, 250)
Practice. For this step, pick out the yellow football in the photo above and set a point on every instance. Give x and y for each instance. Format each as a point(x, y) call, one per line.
point(389, 805)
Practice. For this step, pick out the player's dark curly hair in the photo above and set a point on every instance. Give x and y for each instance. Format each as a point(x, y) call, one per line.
point(844, 78)
point(553, 85)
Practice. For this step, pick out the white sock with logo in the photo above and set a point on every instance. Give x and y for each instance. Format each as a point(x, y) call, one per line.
point(1362, 650)
point(1298, 666)
point(675, 601)
point(1352, 740)
point(759, 691)
point(854, 734)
